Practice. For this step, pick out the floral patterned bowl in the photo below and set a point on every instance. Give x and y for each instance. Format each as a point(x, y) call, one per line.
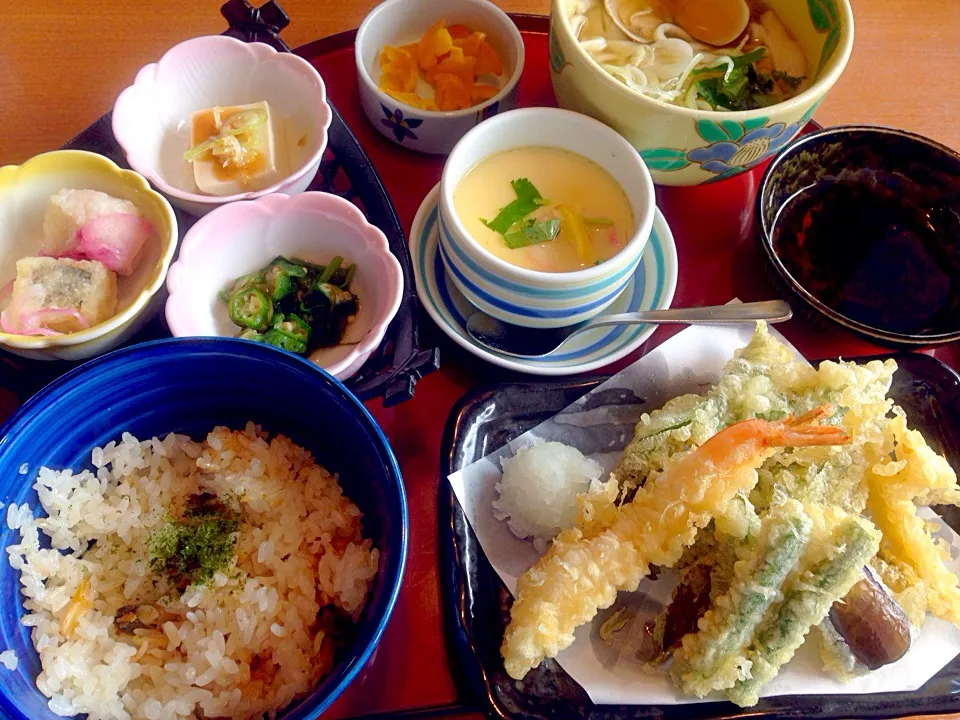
point(689, 147)
point(397, 22)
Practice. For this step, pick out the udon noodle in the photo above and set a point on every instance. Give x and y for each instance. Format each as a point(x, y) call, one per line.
point(764, 65)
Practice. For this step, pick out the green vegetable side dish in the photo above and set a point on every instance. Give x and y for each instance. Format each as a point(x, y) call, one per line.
point(519, 230)
point(294, 305)
point(251, 308)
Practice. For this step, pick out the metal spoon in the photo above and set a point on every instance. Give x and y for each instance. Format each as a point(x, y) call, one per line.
point(524, 342)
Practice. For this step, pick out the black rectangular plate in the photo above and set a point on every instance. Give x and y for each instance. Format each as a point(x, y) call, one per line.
point(476, 603)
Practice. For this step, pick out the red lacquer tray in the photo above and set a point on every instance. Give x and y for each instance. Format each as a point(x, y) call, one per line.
point(409, 675)
point(718, 259)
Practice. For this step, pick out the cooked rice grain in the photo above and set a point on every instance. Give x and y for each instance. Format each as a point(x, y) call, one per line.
point(246, 643)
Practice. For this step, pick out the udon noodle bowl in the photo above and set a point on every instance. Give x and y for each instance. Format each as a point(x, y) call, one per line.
point(701, 54)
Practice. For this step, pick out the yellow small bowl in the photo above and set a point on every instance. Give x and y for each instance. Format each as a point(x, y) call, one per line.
point(24, 193)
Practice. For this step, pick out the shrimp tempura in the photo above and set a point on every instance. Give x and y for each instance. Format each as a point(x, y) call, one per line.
point(579, 576)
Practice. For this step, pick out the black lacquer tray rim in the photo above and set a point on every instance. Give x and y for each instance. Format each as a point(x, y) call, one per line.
point(471, 677)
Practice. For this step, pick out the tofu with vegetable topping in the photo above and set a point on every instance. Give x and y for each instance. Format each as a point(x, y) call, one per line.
point(84, 291)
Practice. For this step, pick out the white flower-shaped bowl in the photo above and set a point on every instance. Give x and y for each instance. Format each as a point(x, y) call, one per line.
point(243, 237)
point(24, 193)
point(397, 22)
point(151, 118)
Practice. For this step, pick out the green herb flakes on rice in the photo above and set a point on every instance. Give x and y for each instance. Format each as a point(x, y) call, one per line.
point(189, 580)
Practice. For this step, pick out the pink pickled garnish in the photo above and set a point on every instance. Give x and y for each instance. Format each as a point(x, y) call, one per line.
point(48, 315)
point(613, 236)
point(16, 320)
point(114, 239)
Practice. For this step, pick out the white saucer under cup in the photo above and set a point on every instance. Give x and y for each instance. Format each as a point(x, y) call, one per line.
point(651, 288)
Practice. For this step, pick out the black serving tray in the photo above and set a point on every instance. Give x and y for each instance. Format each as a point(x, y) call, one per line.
point(476, 603)
point(394, 368)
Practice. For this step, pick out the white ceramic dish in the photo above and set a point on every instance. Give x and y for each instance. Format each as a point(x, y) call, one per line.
point(24, 193)
point(151, 118)
point(528, 297)
point(650, 288)
point(397, 22)
point(243, 237)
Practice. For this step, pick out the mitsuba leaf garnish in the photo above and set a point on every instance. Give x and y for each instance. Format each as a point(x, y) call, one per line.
point(531, 232)
point(528, 199)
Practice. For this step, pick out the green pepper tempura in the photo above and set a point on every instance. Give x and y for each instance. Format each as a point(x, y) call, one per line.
point(294, 305)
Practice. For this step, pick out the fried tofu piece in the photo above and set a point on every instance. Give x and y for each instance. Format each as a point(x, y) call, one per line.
point(44, 285)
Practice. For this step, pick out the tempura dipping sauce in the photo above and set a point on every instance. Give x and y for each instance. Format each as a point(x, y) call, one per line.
point(545, 209)
point(871, 254)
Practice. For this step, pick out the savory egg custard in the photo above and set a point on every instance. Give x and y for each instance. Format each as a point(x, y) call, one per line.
point(544, 209)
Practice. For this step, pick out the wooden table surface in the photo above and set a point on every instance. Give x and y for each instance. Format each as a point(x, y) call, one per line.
point(62, 66)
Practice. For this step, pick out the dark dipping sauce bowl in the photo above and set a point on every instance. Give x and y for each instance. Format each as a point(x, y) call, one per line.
point(862, 224)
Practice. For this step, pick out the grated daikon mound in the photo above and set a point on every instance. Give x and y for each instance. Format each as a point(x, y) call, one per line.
point(539, 488)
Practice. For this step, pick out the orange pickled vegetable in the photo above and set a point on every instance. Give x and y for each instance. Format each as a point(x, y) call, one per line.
point(455, 64)
point(488, 62)
point(470, 44)
point(458, 31)
point(481, 92)
point(398, 70)
point(452, 93)
point(435, 43)
point(448, 58)
point(411, 99)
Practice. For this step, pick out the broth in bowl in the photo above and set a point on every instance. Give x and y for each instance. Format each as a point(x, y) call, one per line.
point(544, 209)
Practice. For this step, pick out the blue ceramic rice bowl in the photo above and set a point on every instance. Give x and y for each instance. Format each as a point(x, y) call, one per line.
point(189, 386)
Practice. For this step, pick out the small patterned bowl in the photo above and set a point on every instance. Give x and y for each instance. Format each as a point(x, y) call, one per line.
point(24, 193)
point(397, 22)
point(243, 237)
point(531, 298)
point(689, 147)
point(151, 118)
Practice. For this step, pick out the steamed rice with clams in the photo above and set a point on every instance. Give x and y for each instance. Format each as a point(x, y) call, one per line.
point(190, 580)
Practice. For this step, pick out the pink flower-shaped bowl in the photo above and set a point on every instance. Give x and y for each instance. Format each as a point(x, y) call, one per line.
point(151, 118)
point(243, 237)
